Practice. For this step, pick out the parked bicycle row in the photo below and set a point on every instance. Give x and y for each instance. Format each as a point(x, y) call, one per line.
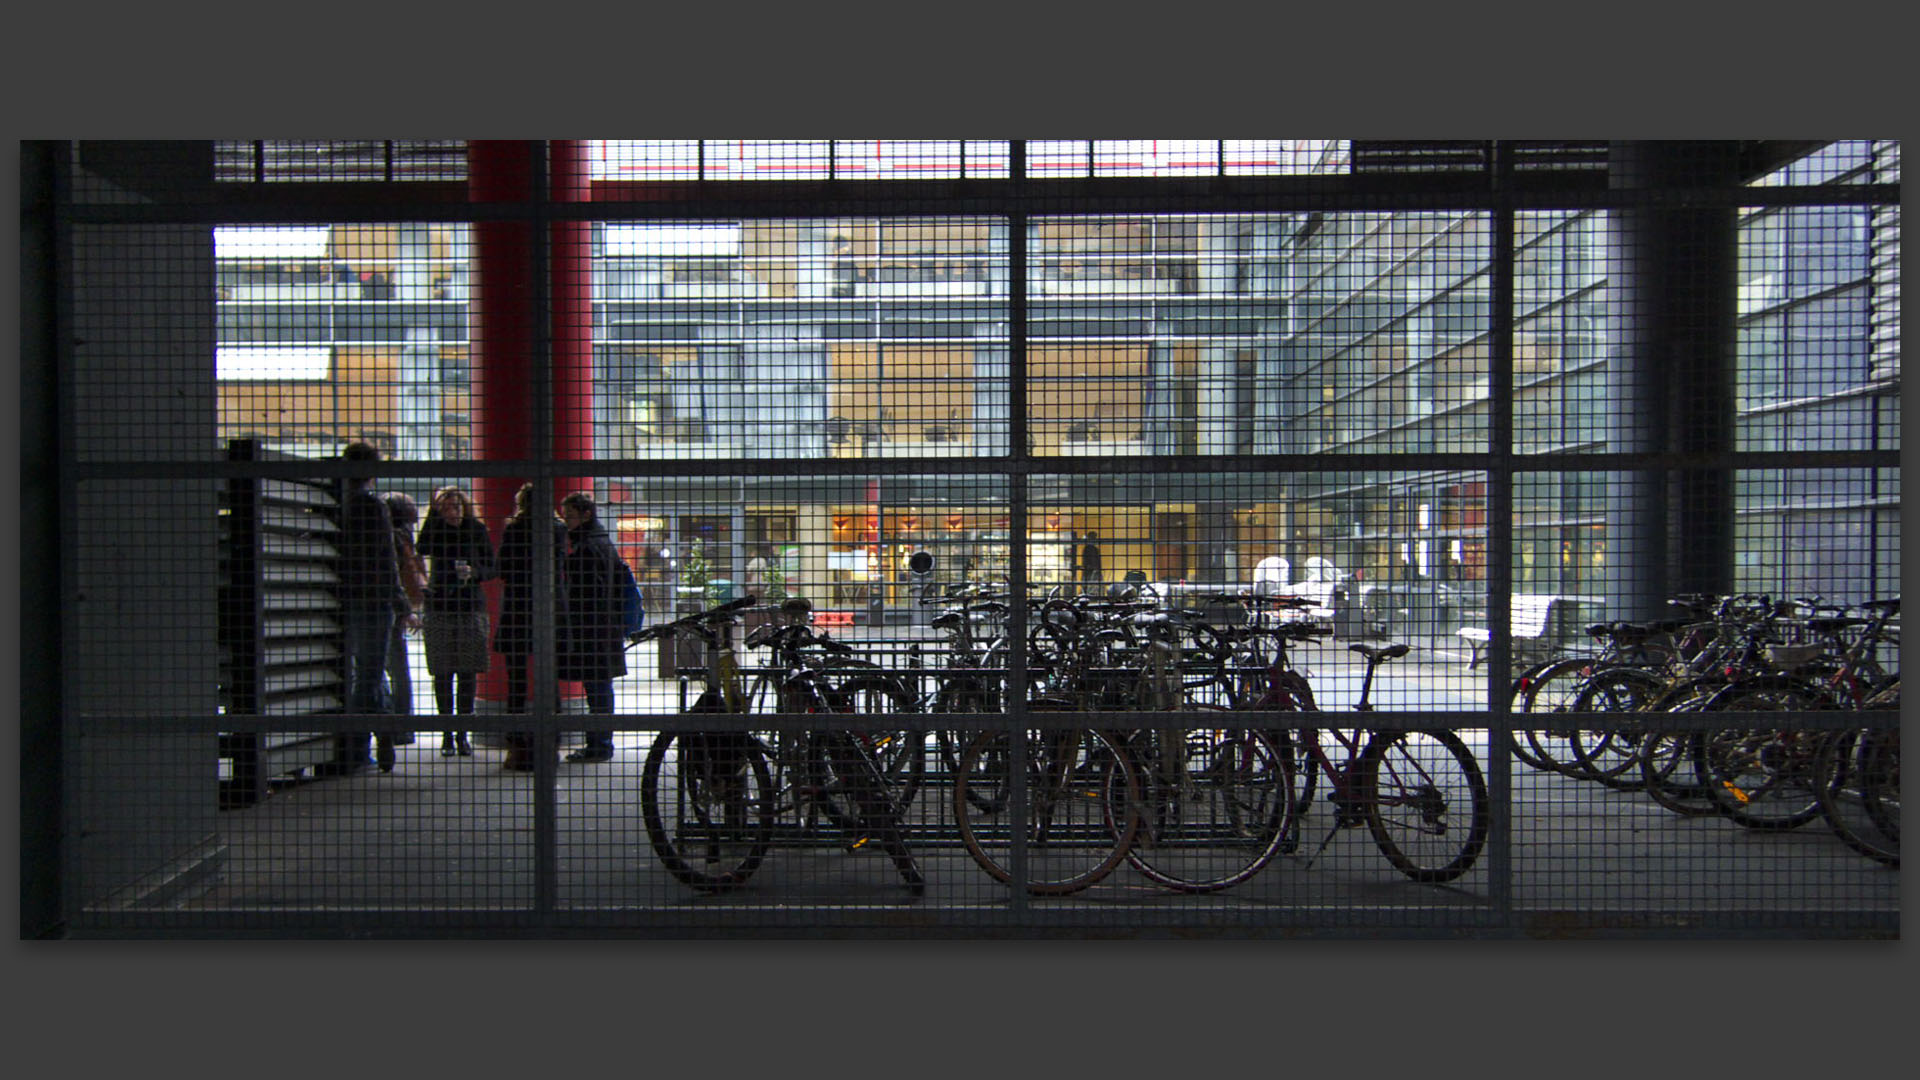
point(1739, 655)
point(1197, 808)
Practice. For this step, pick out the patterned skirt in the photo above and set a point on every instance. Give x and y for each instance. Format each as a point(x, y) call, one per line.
point(456, 642)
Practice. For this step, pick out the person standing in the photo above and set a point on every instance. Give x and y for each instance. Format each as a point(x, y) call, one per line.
point(593, 638)
point(1090, 568)
point(513, 639)
point(756, 577)
point(404, 516)
point(460, 551)
point(371, 597)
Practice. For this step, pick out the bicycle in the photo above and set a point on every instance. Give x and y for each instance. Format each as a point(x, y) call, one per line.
point(968, 673)
point(1769, 779)
point(1215, 801)
point(812, 673)
point(1191, 809)
point(1420, 794)
point(710, 799)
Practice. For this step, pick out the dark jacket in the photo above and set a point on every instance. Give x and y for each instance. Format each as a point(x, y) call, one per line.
point(441, 544)
point(592, 640)
point(514, 637)
point(369, 573)
point(1090, 568)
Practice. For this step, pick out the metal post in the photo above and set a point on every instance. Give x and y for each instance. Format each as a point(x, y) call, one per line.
point(1018, 451)
point(1500, 256)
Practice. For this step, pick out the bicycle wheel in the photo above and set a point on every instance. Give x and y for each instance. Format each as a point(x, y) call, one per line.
point(1552, 689)
point(1880, 765)
point(1522, 745)
point(1667, 774)
point(1206, 677)
point(1214, 805)
point(1426, 803)
point(1761, 778)
point(708, 805)
point(1848, 767)
point(1073, 837)
point(1612, 757)
point(1292, 746)
point(1880, 786)
point(899, 754)
point(1669, 768)
point(967, 694)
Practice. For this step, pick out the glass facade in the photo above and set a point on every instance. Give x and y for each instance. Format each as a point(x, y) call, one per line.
point(1147, 335)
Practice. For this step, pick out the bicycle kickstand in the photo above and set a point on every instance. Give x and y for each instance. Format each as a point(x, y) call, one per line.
point(1328, 839)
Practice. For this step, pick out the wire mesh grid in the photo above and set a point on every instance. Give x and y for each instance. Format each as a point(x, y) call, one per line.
point(1010, 569)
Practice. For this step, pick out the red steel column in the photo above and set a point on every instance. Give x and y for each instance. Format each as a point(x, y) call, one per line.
point(504, 325)
point(570, 275)
point(500, 368)
point(570, 259)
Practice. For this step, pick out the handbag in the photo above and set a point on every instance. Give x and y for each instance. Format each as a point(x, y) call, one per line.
point(633, 611)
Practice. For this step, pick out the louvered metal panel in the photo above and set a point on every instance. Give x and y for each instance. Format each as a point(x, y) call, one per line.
point(282, 639)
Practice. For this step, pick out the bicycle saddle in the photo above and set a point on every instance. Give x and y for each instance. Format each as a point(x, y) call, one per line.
point(1387, 652)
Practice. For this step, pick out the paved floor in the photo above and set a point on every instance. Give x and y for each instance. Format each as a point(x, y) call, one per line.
point(459, 832)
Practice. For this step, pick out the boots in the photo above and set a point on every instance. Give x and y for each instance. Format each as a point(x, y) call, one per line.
point(461, 744)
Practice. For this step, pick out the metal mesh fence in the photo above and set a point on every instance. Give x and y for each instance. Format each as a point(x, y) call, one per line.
point(584, 538)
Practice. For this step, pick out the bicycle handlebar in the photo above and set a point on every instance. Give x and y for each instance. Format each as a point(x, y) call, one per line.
point(715, 614)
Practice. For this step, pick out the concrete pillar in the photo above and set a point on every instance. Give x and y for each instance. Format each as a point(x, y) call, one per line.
point(145, 647)
point(1671, 347)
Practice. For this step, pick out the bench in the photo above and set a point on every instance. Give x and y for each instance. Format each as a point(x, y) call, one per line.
point(1529, 614)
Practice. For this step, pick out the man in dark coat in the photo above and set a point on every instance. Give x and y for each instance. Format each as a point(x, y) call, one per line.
point(371, 597)
point(1091, 570)
point(513, 638)
point(593, 634)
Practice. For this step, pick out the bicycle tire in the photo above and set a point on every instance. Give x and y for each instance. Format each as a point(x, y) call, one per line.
point(1414, 784)
point(898, 753)
point(1882, 767)
point(1553, 690)
point(1517, 695)
point(710, 771)
point(1845, 772)
point(1761, 778)
point(1206, 674)
point(1214, 816)
point(1073, 838)
point(1612, 757)
point(1292, 744)
point(1667, 775)
point(965, 694)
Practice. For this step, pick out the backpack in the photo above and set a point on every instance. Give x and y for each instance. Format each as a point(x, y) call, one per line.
point(633, 613)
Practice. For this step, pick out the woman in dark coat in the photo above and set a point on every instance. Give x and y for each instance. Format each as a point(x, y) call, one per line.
point(593, 648)
point(513, 639)
point(460, 552)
